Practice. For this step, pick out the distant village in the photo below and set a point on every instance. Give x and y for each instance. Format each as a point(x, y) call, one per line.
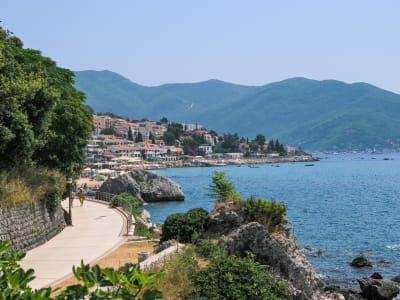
point(118, 144)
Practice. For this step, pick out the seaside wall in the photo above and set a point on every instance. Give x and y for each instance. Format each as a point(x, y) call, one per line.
point(29, 225)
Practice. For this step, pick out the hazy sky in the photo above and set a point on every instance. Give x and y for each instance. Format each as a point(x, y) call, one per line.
point(246, 42)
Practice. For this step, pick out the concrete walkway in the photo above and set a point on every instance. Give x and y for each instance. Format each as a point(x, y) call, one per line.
point(96, 231)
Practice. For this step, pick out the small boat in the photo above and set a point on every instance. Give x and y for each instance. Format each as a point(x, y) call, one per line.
point(309, 165)
point(253, 166)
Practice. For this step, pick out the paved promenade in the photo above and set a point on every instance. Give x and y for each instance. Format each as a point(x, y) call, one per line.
point(96, 231)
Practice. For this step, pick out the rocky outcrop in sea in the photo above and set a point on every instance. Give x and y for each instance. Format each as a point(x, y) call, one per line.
point(145, 186)
point(286, 260)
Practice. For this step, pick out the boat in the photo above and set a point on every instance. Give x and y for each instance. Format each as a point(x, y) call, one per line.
point(253, 166)
point(309, 165)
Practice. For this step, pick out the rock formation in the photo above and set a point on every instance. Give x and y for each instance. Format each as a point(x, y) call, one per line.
point(279, 251)
point(361, 262)
point(145, 186)
point(286, 260)
point(381, 289)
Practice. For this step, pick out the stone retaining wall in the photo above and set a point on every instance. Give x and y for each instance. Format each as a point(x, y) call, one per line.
point(29, 225)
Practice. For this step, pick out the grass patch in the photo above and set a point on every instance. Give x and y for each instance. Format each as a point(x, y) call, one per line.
point(26, 184)
point(176, 284)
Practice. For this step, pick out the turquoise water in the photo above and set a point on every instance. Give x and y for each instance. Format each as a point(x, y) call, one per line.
point(344, 205)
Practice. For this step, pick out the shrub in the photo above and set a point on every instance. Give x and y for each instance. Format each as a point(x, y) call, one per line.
point(210, 249)
point(142, 230)
point(115, 200)
point(269, 213)
point(184, 226)
point(176, 283)
point(96, 283)
point(236, 278)
point(266, 212)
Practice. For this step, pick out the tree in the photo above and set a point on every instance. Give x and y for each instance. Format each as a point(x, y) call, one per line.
point(260, 139)
point(221, 188)
point(152, 138)
point(271, 145)
point(169, 139)
point(42, 116)
point(139, 138)
point(110, 131)
point(164, 120)
point(130, 134)
point(231, 142)
point(254, 146)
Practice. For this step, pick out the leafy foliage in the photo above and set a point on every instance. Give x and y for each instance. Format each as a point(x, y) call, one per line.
point(236, 278)
point(115, 200)
point(96, 283)
point(211, 249)
point(42, 117)
point(142, 230)
point(109, 131)
point(173, 133)
point(266, 212)
point(184, 227)
point(221, 188)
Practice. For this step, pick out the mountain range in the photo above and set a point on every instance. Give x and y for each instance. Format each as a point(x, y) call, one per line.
point(315, 115)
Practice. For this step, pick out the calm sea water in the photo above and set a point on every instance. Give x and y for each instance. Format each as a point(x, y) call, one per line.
point(343, 205)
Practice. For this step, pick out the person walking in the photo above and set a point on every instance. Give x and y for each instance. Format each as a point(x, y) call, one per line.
point(81, 195)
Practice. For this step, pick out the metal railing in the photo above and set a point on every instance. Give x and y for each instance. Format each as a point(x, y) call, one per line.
point(123, 204)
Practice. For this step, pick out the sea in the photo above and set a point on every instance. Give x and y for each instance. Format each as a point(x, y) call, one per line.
point(345, 205)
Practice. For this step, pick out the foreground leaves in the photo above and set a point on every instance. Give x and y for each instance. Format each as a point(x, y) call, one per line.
point(129, 282)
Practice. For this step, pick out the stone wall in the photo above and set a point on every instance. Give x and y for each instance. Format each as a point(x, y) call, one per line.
point(29, 225)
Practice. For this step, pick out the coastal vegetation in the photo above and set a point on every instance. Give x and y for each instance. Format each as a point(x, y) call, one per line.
point(266, 212)
point(44, 125)
point(322, 115)
point(184, 227)
point(129, 282)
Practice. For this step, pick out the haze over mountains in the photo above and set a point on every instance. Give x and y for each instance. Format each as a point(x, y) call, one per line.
point(323, 115)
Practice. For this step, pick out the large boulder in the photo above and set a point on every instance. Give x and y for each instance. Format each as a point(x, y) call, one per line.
point(145, 186)
point(281, 253)
point(378, 289)
point(222, 221)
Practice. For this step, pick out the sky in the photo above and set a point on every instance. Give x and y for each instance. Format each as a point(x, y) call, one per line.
point(245, 42)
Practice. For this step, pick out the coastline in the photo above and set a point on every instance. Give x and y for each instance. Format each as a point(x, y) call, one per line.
point(209, 162)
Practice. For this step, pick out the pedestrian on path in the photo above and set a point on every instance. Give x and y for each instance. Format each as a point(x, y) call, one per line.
point(81, 196)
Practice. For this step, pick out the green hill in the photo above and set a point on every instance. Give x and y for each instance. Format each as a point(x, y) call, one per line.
point(324, 115)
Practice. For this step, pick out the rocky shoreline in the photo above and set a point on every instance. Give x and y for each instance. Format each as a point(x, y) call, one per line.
point(287, 261)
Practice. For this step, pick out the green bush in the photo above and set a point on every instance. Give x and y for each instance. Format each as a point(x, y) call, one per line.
point(269, 213)
point(236, 278)
point(142, 230)
point(210, 249)
point(95, 283)
point(126, 197)
point(266, 212)
point(184, 227)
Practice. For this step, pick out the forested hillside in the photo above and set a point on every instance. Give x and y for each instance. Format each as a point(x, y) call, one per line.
point(325, 115)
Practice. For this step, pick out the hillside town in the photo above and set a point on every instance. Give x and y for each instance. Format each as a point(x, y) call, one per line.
point(118, 144)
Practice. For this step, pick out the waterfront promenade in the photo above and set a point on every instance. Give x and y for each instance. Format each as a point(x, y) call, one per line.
point(96, 231)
